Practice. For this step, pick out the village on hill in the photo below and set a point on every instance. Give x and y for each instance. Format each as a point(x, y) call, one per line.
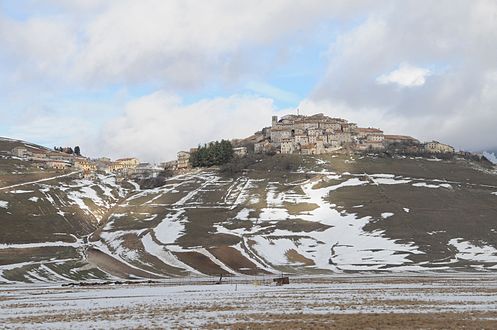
point(292, 134)
point(319, 134)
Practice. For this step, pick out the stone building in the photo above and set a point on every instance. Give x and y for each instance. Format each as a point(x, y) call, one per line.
point(262, 147)
point(183, 160)
point(288, 146)
point(437, 147)
point(85, 165)
point(128, 163)
point(58, 164)
point(60, 156)
point(20, 152)
point(240, 151)
point(115, 167)
point(171, 165)
point(316, 134)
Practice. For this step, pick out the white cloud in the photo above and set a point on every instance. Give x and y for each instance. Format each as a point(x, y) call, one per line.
point(155, 127)
point(455, 105)
point(406, 76)
point(180, 43)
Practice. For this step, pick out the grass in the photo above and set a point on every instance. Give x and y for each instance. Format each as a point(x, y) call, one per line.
point(468, 210)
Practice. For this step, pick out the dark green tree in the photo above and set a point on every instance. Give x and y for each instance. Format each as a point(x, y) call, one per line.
point(214, 153)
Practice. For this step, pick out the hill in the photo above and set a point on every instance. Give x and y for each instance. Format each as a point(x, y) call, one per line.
point(284, 213)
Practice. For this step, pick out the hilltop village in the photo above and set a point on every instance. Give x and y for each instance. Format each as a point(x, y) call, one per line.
point(320, 134)
point(291, 134)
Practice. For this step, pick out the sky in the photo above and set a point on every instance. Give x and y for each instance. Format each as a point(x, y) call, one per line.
point(147, 78)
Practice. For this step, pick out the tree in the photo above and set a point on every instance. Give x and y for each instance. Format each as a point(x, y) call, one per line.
point(215, 153)
point(77, 151)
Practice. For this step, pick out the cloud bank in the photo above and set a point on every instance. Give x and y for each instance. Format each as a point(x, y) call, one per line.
point(155, 127)
point(192, 71)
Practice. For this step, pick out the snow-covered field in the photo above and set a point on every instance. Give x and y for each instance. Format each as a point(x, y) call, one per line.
point(310, 219)
point(254, 302)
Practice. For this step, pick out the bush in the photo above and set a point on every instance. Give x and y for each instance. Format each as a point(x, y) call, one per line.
point(237, 165)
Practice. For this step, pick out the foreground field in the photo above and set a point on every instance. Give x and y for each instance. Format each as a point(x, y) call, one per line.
point(435, 301)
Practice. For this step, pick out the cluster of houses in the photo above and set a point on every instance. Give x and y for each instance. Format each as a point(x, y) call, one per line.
point(320, 134)
point(60, 161)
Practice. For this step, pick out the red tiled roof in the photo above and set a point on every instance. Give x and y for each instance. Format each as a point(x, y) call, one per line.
point(369, 130)
point(399, 137)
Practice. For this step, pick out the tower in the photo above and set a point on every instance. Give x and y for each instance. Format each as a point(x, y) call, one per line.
point(274, 121)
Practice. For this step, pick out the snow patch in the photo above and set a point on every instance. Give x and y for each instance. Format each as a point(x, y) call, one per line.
point(432, 186)
point(469, 251)
point(171, 228)
point(19, 191)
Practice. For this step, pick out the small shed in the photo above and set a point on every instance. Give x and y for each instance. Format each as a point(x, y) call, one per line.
point(282, 280)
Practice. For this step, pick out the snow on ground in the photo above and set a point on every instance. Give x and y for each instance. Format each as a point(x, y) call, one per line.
point(171, 227)
point(273, 214)
point(426, 185)
point(243, 214)
point(135, 185)
point(38, 245)
point(4, 204)
point(192, 304)
point(20, 191)
point(33, 199)
point(274, 250)
point(385, 215)
point(114, 240)
point(390, 181)
point(343, 246)
point(351, 246)
point(164, 254)
point(469, 251)
point(406, 210)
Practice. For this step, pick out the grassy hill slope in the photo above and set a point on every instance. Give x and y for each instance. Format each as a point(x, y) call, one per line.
point(286, 213)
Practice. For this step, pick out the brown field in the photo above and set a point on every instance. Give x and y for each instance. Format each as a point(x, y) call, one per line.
point(463, 301)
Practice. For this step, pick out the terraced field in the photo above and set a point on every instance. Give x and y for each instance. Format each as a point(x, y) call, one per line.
point(291, 214)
